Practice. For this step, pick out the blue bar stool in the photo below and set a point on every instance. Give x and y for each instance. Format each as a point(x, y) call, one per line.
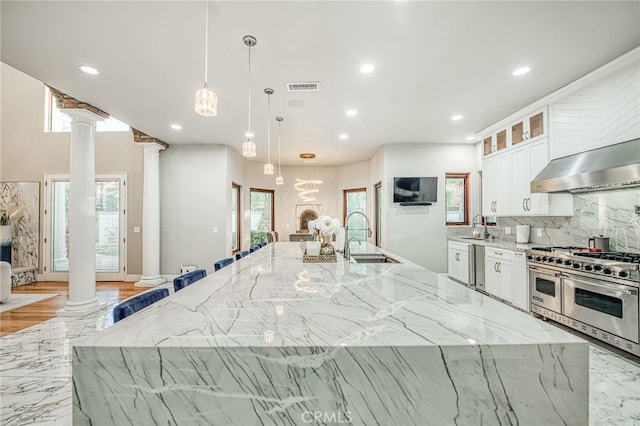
point(189, 278)
point(242, 254)
point(136, 303)
point(253, 248)
point(222, 263)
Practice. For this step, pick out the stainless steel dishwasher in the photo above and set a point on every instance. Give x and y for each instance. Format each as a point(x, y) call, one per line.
point(478, 261)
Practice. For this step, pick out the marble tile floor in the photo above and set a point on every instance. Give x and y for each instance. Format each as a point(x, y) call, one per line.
point(35, 375)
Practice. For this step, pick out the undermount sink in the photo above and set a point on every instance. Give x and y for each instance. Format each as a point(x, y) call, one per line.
point(472, 238)
point(373, 258)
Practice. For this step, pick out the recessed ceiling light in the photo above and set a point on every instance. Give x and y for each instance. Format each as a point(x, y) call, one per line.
point(343, 136)
point(307, 155)
point(456, 117)
point(351, 112)
point(367, 68)
point(176, 127)
point(470, 138)
point(88, 70)
point(522, 71)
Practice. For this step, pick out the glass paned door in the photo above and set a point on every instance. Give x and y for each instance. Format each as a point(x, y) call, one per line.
point(261, 214)
point(110, 228)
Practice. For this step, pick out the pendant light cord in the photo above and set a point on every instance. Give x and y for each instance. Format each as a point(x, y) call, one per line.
point(269, 129)
point(206, 38)
point(249, 129)
point(279, 155)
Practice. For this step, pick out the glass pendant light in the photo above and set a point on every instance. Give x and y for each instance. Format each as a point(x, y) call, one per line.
point(206, 99)
point(279, 179)
point(268, 168)
point(249, 147)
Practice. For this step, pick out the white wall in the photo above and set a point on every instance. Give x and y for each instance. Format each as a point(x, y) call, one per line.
point(419, 233)
point(194, 190)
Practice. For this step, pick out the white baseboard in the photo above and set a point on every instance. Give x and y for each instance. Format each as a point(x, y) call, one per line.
point(132, 277)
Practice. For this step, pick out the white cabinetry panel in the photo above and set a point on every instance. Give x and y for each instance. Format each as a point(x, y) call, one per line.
point(602, 113)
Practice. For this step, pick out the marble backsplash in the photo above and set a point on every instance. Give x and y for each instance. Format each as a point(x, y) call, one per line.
point(25, 230)
point(609, 213)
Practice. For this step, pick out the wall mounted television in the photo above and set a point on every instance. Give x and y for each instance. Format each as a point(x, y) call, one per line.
point(415, 190)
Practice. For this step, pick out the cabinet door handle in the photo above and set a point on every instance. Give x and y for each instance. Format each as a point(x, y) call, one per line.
point(525, 135)
point(528, 204)
point(458, 256)
point(524, 204)
point(495, 266)
point(499, 267)
point(499, 253)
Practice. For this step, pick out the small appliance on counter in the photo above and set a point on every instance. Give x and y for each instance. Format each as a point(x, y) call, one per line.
point(522, 234)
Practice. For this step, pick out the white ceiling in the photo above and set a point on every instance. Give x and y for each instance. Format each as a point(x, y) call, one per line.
point(433, 60)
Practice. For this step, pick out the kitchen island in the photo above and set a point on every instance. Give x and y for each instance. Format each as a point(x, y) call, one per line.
point(273, 340)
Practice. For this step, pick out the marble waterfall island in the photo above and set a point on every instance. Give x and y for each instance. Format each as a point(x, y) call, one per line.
point(273, 340)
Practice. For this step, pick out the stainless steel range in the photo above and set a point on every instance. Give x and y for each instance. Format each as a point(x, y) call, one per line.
point(593, 292)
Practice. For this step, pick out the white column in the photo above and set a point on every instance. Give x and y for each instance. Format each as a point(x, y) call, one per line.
point(82, 215)
point(151, 217)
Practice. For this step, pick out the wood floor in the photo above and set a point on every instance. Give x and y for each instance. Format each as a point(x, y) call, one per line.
point(26, 316)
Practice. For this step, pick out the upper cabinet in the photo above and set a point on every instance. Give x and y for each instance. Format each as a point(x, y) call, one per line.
point(529, 128)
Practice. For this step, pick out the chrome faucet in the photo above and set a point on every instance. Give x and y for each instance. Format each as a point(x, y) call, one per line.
point(474, 223)
point(346, 232)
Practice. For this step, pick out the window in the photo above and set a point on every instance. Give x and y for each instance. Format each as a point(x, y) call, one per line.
point(235, 218)
point(261, 214)
point(457, 198)
point(58, 121)
point(355, 200)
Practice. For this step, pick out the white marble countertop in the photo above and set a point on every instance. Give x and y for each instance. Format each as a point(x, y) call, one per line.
point(497, 243)
point(272, 298)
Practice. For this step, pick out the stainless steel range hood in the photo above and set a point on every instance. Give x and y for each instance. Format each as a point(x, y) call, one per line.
point(610, 167)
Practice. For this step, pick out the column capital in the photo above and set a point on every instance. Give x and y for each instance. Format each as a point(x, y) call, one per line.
point(151, 146)
point(143, 138)
point(82, 115)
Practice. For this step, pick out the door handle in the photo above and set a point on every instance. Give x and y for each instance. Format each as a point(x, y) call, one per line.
point(528, 204)
point(524, 204)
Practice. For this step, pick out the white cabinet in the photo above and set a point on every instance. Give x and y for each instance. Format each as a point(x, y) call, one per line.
point(520, 294)
point(459, 261)
point(526, 162)
point(498, 273)
point(529, 128)
point(495, 185)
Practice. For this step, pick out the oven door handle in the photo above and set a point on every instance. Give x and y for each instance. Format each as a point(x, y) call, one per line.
point(605, 286)
point(546, 272)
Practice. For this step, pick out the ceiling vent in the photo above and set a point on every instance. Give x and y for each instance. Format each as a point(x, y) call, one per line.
point(307, 86)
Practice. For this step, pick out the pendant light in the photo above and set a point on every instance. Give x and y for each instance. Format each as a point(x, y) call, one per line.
point(279, 179)
point(268, 168)
point(206, 99)
point(249, 147)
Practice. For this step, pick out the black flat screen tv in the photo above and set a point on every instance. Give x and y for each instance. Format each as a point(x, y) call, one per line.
point(416, 190)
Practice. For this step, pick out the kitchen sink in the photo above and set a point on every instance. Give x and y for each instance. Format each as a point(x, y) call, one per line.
point(373, 258)
point(473, 238)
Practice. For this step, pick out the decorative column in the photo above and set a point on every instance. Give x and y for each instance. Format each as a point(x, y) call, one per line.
point(151, 217)
point(82, 215)
point(150, 209)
